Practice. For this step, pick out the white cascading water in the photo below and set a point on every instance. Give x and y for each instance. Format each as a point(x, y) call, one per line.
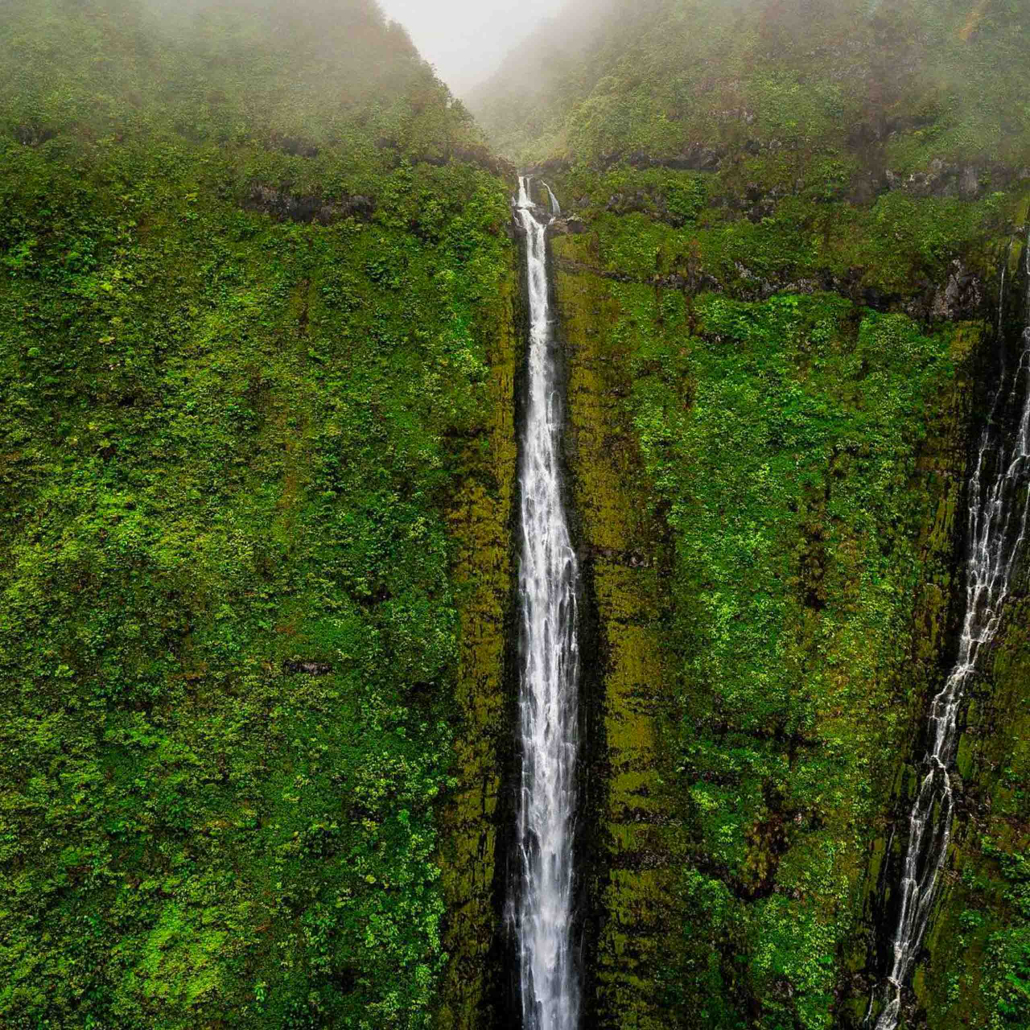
point(999, 504)
point(548, 581)
point(555, 206)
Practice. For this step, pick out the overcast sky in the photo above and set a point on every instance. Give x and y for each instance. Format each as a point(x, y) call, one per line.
point(466, 39)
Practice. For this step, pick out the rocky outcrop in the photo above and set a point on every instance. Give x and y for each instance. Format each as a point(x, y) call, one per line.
point(295, 147)
point(573, 225)
point(961, 297)
point(29, 134)
point(941, 179)
point(289, 207)
point(307, 668)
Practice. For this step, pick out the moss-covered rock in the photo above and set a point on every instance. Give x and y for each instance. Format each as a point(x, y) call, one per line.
point(472, 826)
point(807, 456)
point(632, 870)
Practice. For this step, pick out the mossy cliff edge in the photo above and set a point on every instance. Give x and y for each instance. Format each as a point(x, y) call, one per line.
point(784, 223)
point(976, 968)
point(630, 875)
point(474, 830)
point(771, 492)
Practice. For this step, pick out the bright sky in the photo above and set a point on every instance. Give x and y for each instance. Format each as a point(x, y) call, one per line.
point(467, 39)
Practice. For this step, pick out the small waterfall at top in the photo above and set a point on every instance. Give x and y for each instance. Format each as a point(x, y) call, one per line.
point(555, 206)
point(548, 704)
point(999, 504)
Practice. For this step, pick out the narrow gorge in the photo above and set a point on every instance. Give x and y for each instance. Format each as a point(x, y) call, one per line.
point(439, 596)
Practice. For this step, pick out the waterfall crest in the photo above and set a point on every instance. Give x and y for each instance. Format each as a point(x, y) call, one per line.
point(999, 505)
point(548, 703)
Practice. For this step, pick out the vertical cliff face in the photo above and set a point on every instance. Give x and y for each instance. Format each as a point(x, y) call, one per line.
point(631, 875)
point(771, 496)
point(473, 824)
point(777, 270)
point(975, 968)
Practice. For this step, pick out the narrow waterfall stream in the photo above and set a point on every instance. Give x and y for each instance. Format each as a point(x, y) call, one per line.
point(548, 702)
point(999, 504)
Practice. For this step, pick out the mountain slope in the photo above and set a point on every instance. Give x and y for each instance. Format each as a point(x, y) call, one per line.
point(781, 251)
point(936, 80)
point(251, 271)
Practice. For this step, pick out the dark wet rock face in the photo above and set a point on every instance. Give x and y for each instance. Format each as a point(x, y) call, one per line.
point(296, 147)
point(943, 179)
point(29, 135)
point(571, 226)
point(651, 202)
point(696, 158)
point(295, 666)
point(638, 202)
point(288, 207)
point(960, 298)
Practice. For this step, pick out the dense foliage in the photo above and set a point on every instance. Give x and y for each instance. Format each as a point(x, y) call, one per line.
point(228, 630)
point(792, 488)
point(253, 257)
point(805, 454)
point(930, 79)
point(792, 215)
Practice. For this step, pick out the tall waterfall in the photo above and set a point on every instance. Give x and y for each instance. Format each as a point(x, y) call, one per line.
point(999, 503)
point(548, 580)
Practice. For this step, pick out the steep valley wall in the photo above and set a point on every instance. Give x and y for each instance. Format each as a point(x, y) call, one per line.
point(749, 806)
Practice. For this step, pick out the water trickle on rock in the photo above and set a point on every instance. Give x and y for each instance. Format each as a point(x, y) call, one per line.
point(555, 206)
point(999, 506)
point(548, 695)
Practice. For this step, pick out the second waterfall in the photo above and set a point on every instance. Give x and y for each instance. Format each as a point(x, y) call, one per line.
point(998, 521)
point(543, 910)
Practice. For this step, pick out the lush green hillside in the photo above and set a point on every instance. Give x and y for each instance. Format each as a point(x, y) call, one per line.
point(805, 457)
point(784, 225)
point(927, 78)
point(246, 298)
point(259, 341)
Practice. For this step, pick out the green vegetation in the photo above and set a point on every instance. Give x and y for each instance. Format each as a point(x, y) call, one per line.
point(978, 972)
point(791, 486)
point(634, 865)
point(229, 631)
point(258, 348)
point(898, 248)
point(920, 79)
point(806, 456)
point(790, 216)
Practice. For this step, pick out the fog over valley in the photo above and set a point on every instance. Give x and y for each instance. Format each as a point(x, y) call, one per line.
point(467, 39)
